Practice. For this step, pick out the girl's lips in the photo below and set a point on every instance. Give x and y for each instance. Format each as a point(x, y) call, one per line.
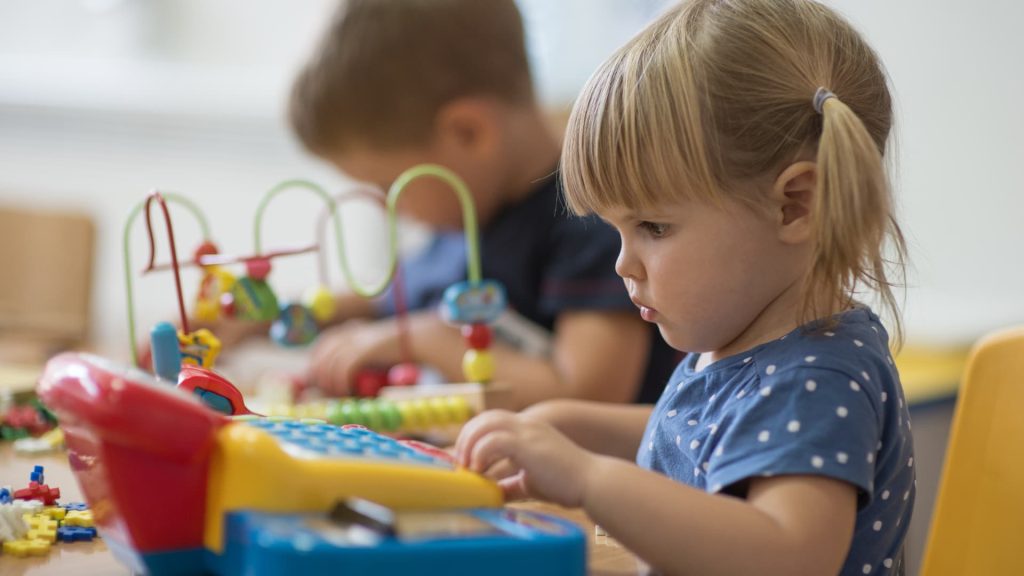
point(648, 314)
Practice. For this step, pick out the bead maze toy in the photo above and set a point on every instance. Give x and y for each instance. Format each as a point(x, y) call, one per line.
point(185, 479)
point(473, 303)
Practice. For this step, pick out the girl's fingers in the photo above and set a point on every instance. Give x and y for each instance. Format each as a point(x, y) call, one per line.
point(490, 449)
point(514, 487)
point(502, 469)
point(476, 429)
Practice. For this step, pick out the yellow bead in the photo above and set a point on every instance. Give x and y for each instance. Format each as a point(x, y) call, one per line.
point(439, 412)
point(410, 417)
point(478, 365)
point(459, 409)
point(207, 310)
point(320, 302)
point(421, 412)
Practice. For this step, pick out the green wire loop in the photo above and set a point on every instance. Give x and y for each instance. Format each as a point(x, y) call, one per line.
point(204, 226)
point(469, 223)
point(399, 186)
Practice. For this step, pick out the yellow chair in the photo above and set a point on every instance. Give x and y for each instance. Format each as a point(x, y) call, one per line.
point(978, 526)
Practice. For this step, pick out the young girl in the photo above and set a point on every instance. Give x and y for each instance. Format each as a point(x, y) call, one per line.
point(736, 146)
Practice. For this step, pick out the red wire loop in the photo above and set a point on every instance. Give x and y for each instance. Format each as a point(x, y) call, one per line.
point(174, 252)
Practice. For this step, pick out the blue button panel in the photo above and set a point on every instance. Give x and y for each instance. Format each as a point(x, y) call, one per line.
point(344, 442)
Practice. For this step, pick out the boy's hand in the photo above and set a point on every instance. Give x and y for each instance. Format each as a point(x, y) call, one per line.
point(527, 457)
point(340, 352)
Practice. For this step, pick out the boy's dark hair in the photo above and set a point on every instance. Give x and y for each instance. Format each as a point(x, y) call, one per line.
point(385, 68)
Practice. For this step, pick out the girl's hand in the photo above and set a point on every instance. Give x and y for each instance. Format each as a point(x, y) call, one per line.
point(528, 458)
point(340, 352)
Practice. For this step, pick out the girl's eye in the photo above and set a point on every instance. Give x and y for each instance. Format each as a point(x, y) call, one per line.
point(654, 229)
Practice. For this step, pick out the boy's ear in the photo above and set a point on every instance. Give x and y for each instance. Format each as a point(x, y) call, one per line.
point(467, 126)
point(793, 196)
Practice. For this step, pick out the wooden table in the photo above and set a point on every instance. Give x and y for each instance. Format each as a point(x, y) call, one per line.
point(605, 556)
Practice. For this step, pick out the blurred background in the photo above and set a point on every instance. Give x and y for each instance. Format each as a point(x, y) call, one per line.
point(102, 101)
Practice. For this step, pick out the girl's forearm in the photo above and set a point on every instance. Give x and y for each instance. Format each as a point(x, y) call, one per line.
point(609, 429)
point(529, 379)
point(678, 529)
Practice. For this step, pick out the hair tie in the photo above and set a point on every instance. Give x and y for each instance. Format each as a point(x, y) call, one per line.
point(820, 97)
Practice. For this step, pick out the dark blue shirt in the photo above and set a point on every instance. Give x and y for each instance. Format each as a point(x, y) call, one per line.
point(823, 403)
point(550, 262)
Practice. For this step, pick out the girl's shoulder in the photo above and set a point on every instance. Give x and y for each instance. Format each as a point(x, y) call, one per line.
point(849, 353)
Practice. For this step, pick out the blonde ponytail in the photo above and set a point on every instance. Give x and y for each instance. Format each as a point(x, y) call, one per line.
point(853, 214)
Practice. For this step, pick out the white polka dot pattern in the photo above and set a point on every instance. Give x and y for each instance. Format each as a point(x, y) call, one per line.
point(799, 406)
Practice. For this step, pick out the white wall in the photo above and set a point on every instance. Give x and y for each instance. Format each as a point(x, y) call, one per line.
point(102, 100)
point(958, 71)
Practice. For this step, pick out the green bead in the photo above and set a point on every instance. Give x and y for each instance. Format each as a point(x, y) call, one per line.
point(334, 414)
point(371, 416)
point(390, 416)
point(351, 415)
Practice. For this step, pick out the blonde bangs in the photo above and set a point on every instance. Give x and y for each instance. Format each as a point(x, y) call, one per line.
point(636, 137)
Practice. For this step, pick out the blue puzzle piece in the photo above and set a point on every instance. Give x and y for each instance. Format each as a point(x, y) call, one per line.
point(75, 534)
point(5, 496)
point(75, 506)
point(37, 475)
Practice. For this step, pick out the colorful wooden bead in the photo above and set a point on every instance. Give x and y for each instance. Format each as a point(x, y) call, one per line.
point(477, 336)
point(294, 326)
point(321, 303)
point(404, 374)
point(473, 303)
point(254, 300)
point(478, 365)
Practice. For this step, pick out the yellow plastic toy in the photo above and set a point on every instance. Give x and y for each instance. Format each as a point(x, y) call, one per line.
point(292, 466)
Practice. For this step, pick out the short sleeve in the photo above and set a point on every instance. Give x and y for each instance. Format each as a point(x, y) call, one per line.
point(579, 271)
point(799, 420)
point(427, 274)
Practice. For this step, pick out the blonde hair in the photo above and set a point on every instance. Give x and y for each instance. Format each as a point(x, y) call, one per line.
point(385, 68)
point(719, 92)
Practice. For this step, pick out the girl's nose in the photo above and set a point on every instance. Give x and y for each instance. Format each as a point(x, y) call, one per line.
point(627, 265)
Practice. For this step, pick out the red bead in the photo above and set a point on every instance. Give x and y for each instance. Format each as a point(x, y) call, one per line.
point(369, 381)
point(205, 249)
point(257, 268)
point(478, 336)
point(404, 374)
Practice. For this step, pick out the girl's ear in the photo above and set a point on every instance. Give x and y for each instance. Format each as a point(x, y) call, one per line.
point(793, 196)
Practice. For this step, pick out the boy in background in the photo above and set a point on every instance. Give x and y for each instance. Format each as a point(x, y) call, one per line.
point(396, 83)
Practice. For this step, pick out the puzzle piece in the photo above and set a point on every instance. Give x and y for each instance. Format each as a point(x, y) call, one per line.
point(75, 534)
point(49, 442)
point(12, 525)
point(81, 518)
point(75, 506)
point(22, 548)
point(41, 527)
point(55, 512)
point(37, 491)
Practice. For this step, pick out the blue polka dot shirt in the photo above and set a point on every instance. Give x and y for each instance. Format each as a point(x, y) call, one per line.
point(823, 402)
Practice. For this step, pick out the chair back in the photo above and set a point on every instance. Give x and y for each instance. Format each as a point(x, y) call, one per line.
point(978, 525)
point(46, 262)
